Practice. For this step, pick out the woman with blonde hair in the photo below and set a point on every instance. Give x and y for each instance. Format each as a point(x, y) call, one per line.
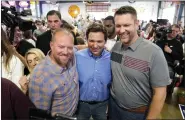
point(32, 57)
point(12, 63)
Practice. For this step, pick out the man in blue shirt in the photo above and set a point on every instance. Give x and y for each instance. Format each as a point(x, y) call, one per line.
point(93, 66)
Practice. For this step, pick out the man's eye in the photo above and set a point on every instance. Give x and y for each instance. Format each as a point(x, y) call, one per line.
point(61, 46)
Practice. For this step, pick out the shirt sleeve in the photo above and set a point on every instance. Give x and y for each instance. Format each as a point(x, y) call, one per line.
point(159, 73)
point(17, 70)
point(39, 91)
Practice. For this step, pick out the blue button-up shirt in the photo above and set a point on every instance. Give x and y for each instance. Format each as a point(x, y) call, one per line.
point(94, 75)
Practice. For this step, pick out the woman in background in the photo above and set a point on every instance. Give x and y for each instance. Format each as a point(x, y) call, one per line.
point(12, 63)
point(32, 57)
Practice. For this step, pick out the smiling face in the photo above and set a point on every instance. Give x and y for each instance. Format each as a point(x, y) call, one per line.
point(96, 42)
point(62, 48)
point(126, 27)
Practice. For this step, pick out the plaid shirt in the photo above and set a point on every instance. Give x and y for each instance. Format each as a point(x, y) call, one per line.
point(54, 88)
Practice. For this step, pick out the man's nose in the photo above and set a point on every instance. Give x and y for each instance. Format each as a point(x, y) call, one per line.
point(65, 51)
point(52, 24)
point(122, 30)
point(95, 45)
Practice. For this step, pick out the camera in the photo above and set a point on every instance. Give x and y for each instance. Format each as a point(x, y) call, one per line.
point(161, 33)
point(160, 29)
point(11, 18)
point(154, 24)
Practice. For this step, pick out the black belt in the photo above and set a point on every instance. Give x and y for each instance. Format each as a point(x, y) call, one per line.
point(92, 102)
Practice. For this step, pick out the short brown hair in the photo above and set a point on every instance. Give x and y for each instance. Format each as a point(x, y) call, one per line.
point(54, 12)
point(96, 27)
point(27, 34)
point(126, 10)
point(110, 18)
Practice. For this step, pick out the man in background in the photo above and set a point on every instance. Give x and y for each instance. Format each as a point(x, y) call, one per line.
point(172, 48)
point(109, 24)
point(40, 29)
point(54, 22)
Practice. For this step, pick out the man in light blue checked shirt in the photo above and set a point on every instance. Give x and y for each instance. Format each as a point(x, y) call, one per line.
point(54, 82)
point(94, 70)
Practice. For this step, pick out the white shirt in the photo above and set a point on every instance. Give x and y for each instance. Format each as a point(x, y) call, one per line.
point(110, 43)
point(31, 41)
point(15, 72)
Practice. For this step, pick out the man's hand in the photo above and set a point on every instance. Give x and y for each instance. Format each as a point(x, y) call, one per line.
point(167, 49)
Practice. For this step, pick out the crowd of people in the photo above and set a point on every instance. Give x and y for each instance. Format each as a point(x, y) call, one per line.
point(116, 73)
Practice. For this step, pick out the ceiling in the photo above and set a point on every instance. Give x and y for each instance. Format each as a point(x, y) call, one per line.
point(67, 1)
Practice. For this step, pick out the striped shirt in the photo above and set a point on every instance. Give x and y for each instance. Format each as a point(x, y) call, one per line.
point(54, 88)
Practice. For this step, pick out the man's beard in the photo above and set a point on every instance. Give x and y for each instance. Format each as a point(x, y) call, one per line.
point(60, 63)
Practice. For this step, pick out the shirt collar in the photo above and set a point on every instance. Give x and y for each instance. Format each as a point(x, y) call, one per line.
point(91, 54)
point(135, 44)
point(56, 68)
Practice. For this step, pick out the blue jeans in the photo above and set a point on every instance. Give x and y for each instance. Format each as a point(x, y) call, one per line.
point(117, 113)
point(97, 111)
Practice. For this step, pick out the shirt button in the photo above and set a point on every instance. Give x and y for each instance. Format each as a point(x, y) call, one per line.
point(96, 61)
point(94, 87)
point(96, 70)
